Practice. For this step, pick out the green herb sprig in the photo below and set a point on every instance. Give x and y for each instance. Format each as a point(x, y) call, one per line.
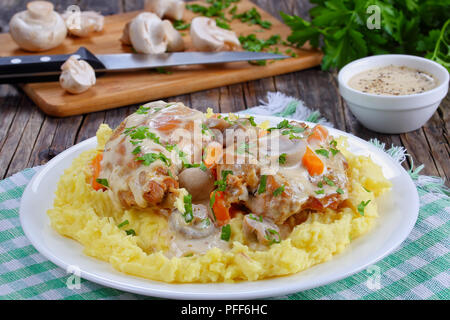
point(340, 29)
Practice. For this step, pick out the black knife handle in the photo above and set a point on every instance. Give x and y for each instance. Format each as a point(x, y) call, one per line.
point(37, 68)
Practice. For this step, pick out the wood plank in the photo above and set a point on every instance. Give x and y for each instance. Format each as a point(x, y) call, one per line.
point(26, 143)
point(14, 135)
point(9, 102)
point(89, 125)
point(119, 89)
point(436, 134)
point(256, 91)
point(206, 99)
point(65, 134)
point(42, 153)
point(231, 98)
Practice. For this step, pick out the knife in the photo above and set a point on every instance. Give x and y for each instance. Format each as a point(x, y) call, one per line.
point(36, 68)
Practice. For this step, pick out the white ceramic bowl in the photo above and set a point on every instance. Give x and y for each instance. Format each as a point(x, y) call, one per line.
point(393, 114)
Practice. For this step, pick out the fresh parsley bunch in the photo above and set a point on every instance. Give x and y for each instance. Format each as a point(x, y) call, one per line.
point(338, 27)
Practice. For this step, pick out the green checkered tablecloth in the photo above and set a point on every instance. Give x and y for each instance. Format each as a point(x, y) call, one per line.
point(418, 269)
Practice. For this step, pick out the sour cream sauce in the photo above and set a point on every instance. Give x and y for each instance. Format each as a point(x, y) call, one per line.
point(393, 80)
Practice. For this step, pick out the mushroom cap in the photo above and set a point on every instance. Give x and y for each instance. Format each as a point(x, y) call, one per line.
point(77, 75)
point(38, 28)
point(207, 36)
point(175, 41)
point(89, 21)
point(173, 9)
point(147, 34)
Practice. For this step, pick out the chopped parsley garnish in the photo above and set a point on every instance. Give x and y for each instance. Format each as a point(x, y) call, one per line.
point(320, 184)
point(140, 133)
point(195, 165)
point(320, 191)
point(130, 232)
point(252, 43)
point(162, 70)
point(273, 236)
point(226, 233)
point(262, 184)
point(291, 53)
point(212, 200)
point(255, 217)
point(136, 150)
point(278, 191)
point(333, 143)
point(123, 223)
point(142, 110)
point(340, 191)
point(188, 214)
point(334, 151)
point(181, 25)
point(362, 206)
point(148, 158)
point(284, 124)
point(222, 24)
point(103, 182)
point(366, 189)
point(328, 182)
point(322, 152)
point(282, 158)
point(251, 119)
point(252, 16)
point(222, 184)
point(206, 129)
point(243, 148)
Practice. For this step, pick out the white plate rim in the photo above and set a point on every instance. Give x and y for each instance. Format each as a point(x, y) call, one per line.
point(179, 291)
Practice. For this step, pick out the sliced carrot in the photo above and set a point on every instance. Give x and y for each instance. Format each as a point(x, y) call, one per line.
point(262, 133)
point(96, 171)
point(319, 133)
point(213, 154)
point(312, 162)
point(221, 211)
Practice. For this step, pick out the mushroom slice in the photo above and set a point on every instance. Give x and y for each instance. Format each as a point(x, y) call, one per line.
point(175, 41)
point(77, 75)
point(172, 9)
point(207, 36)
point(265, 230)
point(125, 39)
point(147, 34)
point(200, 226)
point(89, 21)
point(38, 28)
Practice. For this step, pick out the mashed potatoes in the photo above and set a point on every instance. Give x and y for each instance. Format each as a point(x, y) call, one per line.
point(90, 218)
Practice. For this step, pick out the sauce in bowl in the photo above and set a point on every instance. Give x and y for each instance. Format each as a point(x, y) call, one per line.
point(393, 80)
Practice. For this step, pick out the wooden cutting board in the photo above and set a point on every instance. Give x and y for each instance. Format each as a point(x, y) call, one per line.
point(119, 89)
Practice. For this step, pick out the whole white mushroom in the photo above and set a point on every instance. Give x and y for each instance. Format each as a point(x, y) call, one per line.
point(207, 36)
point(77, 75)
point(173, 9)
point(83, 23)
point(38, 28)
point(147, 34)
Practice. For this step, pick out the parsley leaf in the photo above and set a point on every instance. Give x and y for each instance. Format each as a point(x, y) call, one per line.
point(262, 184)
point(342, 30)
point(103, 182)
point(278, 191)
point(362, 206)
point(226, 233)
point(282, 158)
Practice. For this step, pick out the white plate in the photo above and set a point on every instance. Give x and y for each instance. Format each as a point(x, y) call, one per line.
point(398, 214)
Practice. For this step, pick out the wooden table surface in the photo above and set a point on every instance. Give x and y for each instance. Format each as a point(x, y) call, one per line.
point(29, 138)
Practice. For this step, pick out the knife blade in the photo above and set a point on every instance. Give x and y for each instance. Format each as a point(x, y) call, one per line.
point(35, 68)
